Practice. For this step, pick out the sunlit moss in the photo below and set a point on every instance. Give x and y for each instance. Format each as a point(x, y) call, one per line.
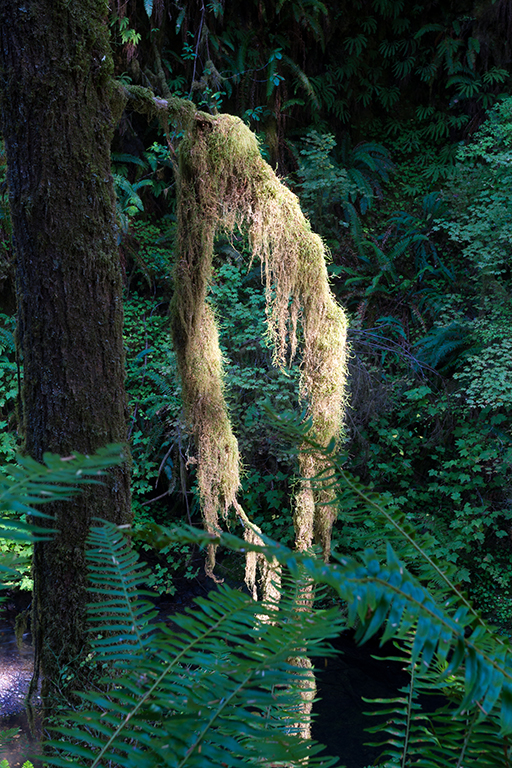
point(224, 184)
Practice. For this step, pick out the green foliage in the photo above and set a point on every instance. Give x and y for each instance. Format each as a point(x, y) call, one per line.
point(252, 384)
point(162, 485)
point(449, 473)
point(159, 441)
point(126, 35)
point(174, 561)
point(238, 297)
point(394, 49)
point(353, 178)
point(445, 347)
point(131, 174)
point(414, 232)
point(267, 496)
point(435, 735)
point(486, 377)
point(479, 193)
point(440, 446)
point(150, 247)
point(153, 395)
point(19, 555)
point(26, 764)
point(223, 682)
point(10, 380)
point(269, 67)
point(181, 689)
point(382, 595)
point(477, 227)
point(399, 278)
point(6, 735)
point(28, 483)
point(220, 688)
point(128, 200)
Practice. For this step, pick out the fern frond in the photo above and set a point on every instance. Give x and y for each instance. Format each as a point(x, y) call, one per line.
point(382, 596)
point(7, 340)
point(434, 739)
point(121, 620)
point(166, 389)
point(303, 80)
point(445, 348)
point(123, 157)
point(217, 690)
point(28, 484)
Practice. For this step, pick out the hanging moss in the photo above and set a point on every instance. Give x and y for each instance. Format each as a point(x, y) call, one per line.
point(225, 184)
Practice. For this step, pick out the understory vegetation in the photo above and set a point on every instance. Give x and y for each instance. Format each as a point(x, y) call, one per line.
point(224, 683)
point(392, 123)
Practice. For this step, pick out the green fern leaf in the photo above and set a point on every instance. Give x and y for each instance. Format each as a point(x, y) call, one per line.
point(120, 621)
point(27, 484)
point(445, 348)
point(441, 735)
point(303, 79)
point(217, 690)
point(368, 587)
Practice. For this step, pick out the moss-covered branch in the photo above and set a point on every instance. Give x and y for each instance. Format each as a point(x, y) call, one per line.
point(224, 184)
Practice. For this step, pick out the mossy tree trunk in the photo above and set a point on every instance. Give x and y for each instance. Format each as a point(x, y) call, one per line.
point(57, 122)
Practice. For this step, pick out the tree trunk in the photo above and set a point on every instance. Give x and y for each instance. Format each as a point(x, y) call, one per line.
point(58, 117)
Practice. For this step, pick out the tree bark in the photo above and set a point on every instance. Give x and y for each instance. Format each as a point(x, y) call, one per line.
point(59, 106)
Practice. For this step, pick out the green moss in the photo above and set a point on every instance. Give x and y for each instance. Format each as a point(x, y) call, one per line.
point(224, 184)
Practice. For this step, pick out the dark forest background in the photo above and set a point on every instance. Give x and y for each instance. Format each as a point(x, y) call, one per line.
point(392, 122)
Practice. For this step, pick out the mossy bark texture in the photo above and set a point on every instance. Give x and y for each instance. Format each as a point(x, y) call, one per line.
point(57, 122)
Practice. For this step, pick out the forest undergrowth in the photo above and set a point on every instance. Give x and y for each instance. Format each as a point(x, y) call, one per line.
point(397, 141)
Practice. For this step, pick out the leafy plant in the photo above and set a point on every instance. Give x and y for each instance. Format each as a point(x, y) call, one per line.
point(26, 764)
point(28, 483)
point(420, 731)
point(219, 689)
point(448, 472)
point(174, 561)
point(149, 248)
point(128, 200)
point(479, 193)
point(154, 400)
point(445, 347)
point(485, 378)
point(176, 688)
point(158, 437)
point(162, 710)
point(353, 178)
point(10, 382)
point(149, 172)
point(127, 35)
